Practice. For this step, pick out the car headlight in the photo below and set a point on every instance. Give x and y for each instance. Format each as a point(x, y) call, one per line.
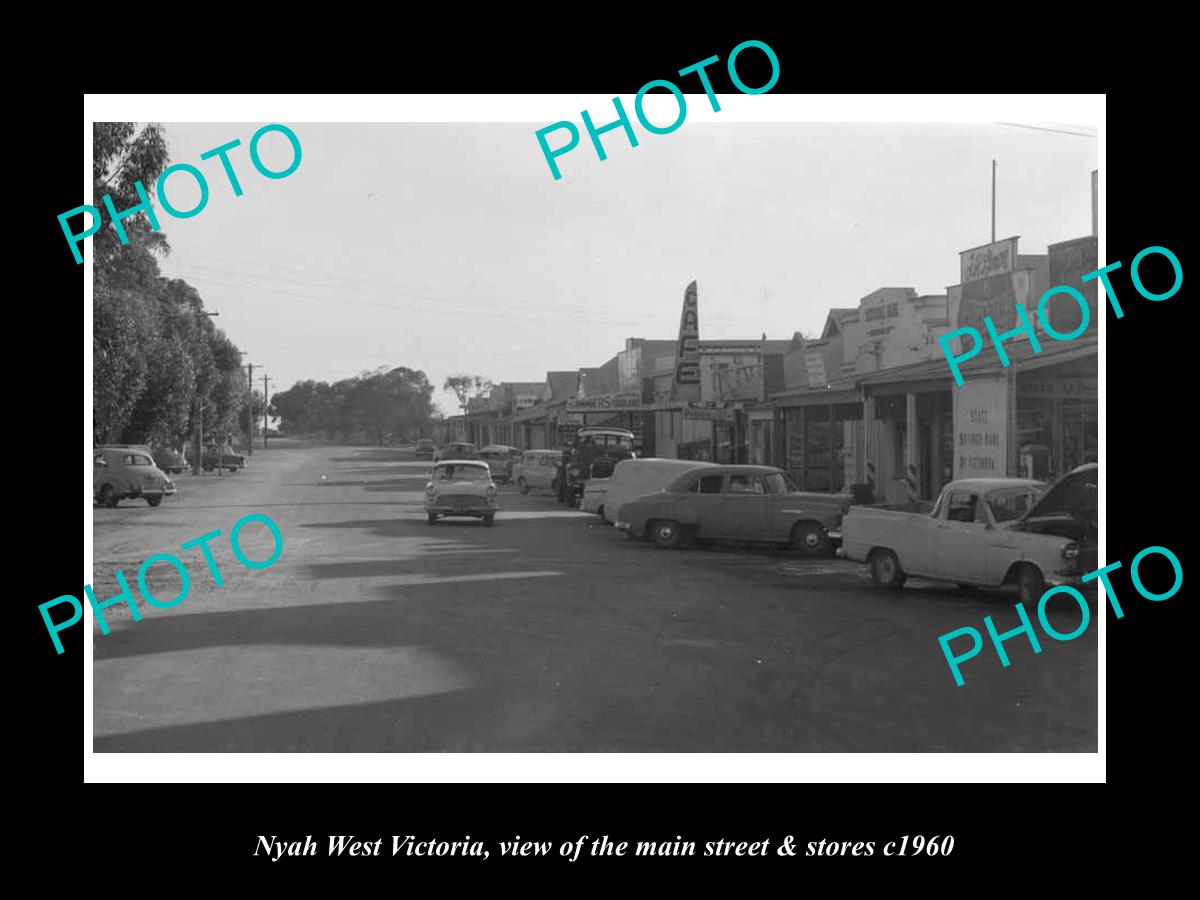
point(491, 490)
point(1070, 551)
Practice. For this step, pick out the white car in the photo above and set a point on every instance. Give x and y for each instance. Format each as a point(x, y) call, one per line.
point(461, 487)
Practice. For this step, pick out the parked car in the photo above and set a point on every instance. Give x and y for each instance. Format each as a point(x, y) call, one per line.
point(595, 488)
point(121, 473)
point(633, 478)
point(742, 503)
point(984, 532)
point(500, 459)
point(461, 488)
point(591, 443)
point(221, 458)
point(170, 461)
point(537, 470)
point(424, 448)
point(457, 450)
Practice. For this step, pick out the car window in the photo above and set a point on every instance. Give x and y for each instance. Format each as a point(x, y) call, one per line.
point(711, 484)
point(1009, 505)
point(744, 484)
point(99, 460)
point(460, 473)
point(962, 507)
point(778, 483)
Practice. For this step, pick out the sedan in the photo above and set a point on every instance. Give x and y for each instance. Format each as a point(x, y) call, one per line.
point(461, 488)
point(736, 503)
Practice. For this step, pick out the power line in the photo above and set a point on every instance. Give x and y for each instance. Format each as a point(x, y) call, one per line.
point(1044, 128)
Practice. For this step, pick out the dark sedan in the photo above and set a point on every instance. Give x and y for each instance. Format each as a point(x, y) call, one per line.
point(737, 503)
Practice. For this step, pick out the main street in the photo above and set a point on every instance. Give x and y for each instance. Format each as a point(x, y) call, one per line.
point(549, 632)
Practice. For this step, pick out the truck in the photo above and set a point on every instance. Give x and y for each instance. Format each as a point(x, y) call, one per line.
point(591, 444)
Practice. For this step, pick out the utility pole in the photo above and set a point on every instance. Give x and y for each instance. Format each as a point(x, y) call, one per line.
point(993, 201)
point(266, 403)
point(250, 409)
point(198, 422)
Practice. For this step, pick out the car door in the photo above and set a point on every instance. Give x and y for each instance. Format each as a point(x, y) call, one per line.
point(744, 507)
point(961, 545)
point(705, 499)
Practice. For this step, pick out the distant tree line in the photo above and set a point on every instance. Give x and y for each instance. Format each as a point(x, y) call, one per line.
point(381, 407)
point(157, 361)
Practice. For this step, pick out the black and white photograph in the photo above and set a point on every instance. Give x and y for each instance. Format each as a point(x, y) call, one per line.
point(500, 432)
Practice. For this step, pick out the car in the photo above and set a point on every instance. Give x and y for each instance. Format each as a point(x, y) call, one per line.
point(984, 532)
point(457, 450)
point(595, 488)
point(461, 488)
point(591, 443)
point(633, 478)
point(537, 470)
point(170, 461)
point(223, 458)
point(758, 504)
point(500, 459)
point(424, 448)
point(125, 473)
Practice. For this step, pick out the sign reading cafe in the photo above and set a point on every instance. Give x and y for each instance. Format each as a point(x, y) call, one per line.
point(687, 350)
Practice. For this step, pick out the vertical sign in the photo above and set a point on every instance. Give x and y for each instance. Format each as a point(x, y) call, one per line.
point(981, 428)
point(687, 350)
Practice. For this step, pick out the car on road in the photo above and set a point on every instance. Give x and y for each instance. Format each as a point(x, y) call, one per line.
point(170, 461)
point(500, 459)
point(759, 504)
point(224, 457)
point(981, 532)
point(461, 488)
point(591, 442)
point(124, 473)
point(633, 478)
point(424, 448)
point(537, 470)
point(457, 450)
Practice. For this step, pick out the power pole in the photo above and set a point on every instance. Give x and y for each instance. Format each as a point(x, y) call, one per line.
point(266, 402)
point(993, 201)
point(198, 422)
point(250, 409)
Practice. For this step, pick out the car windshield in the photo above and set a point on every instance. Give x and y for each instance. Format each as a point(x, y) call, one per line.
point(460, 473)
point(1012, 504)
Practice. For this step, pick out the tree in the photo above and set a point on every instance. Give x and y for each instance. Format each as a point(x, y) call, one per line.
point(122, 155)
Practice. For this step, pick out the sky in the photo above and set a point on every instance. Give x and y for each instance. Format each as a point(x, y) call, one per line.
point(450, 248)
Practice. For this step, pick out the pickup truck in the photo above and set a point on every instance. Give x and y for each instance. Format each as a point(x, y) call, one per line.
point(984, 532)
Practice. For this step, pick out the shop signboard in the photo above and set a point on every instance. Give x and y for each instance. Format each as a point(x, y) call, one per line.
point(981, 428)
point(1068, 262)
point(988, 261)
point(814, 364)
point(708, 413)
point(687, 351)
point(606, 403)
point(1079, 388)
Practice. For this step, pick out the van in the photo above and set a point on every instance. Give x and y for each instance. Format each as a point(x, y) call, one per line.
point(634, 478)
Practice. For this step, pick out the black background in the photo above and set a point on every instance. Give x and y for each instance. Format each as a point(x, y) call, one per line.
point(206, 834)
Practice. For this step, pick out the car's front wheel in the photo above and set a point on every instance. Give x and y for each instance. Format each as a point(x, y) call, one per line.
point(1030, 584)
point(665, 534)
point(522, 485)
point(154, 501)
point(108, 496)
point(489, 520)
point(432, 518)
point(886, 571)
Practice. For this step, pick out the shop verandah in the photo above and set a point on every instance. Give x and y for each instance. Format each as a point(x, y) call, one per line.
point(1037, 418)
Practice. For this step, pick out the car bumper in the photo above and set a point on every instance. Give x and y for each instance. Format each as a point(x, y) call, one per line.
point(1065, 579)
point(480, 510)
